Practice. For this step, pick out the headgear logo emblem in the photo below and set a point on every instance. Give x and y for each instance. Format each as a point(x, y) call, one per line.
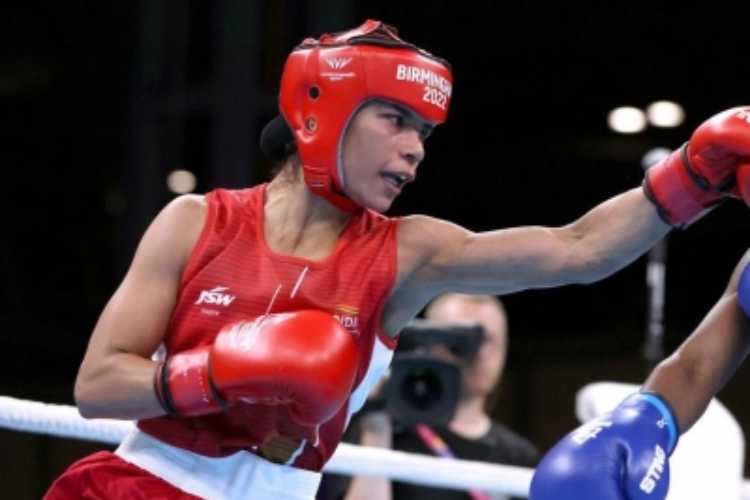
point(337, 63)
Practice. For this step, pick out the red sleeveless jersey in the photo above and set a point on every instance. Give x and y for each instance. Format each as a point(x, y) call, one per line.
point(233, 275)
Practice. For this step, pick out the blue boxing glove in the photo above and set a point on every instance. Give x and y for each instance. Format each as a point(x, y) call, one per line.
point(622, 455)
point(743, 290)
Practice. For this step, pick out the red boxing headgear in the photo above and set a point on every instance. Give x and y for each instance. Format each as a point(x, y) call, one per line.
point(325, 81)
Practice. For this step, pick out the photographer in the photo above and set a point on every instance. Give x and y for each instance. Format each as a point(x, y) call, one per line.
point(470, 434)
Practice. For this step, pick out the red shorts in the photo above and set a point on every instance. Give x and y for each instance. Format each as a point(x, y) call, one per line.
point(104, 475)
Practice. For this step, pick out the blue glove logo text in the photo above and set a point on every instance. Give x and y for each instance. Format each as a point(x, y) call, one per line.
point(655, 470)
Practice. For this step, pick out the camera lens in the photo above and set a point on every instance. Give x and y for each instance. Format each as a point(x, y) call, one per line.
point(423, 389)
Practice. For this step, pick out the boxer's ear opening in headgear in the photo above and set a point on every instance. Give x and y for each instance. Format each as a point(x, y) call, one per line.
point(276, 140)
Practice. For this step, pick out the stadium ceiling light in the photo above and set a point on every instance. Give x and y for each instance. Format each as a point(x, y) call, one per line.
point(626, 120)
point(665, 114)
point(181, 181)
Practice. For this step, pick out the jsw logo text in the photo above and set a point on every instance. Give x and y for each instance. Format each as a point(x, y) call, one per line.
point(215, 296)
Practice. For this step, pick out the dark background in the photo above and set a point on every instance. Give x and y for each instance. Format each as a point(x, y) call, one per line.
point(100, 100)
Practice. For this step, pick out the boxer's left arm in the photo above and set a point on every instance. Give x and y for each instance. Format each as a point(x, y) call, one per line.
point(601, 242)
point(708, 358)
point(713, 166)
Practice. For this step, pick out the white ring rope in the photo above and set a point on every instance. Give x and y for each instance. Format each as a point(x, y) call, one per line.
point(422, 469)
point(59, 420)
point(64, 421)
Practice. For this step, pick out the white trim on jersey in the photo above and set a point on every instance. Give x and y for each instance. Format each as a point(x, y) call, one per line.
point(241, 475)
point(379, 363)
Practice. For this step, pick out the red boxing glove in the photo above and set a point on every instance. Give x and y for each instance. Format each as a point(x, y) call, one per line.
point(715, 164)
point(302, 359)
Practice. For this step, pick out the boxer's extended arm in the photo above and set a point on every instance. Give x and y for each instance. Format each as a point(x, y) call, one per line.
point(713, 166)
point(700, 367)
point(116, 376)
point(604, 240)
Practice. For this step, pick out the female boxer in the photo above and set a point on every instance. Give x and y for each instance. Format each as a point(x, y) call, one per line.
point(240, 285)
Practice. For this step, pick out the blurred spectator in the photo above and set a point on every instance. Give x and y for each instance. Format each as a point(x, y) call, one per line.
point(470, 435)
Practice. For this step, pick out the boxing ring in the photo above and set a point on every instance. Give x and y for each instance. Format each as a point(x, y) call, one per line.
point(65, 422)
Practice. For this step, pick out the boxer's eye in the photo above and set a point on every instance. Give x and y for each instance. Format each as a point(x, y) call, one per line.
point(396, 119)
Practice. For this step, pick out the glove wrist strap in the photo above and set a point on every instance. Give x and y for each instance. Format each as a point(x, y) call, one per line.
point(186, 384)
point(679, 194)
point(665, 410)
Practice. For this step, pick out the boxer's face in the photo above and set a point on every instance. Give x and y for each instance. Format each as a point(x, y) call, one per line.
point(381, 150)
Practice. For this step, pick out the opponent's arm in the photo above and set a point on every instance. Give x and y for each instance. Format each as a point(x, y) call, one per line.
point(116, 377)
point(706, 360)
point(636, 438)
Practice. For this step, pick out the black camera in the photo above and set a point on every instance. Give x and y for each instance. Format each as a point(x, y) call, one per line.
point(422, 387)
